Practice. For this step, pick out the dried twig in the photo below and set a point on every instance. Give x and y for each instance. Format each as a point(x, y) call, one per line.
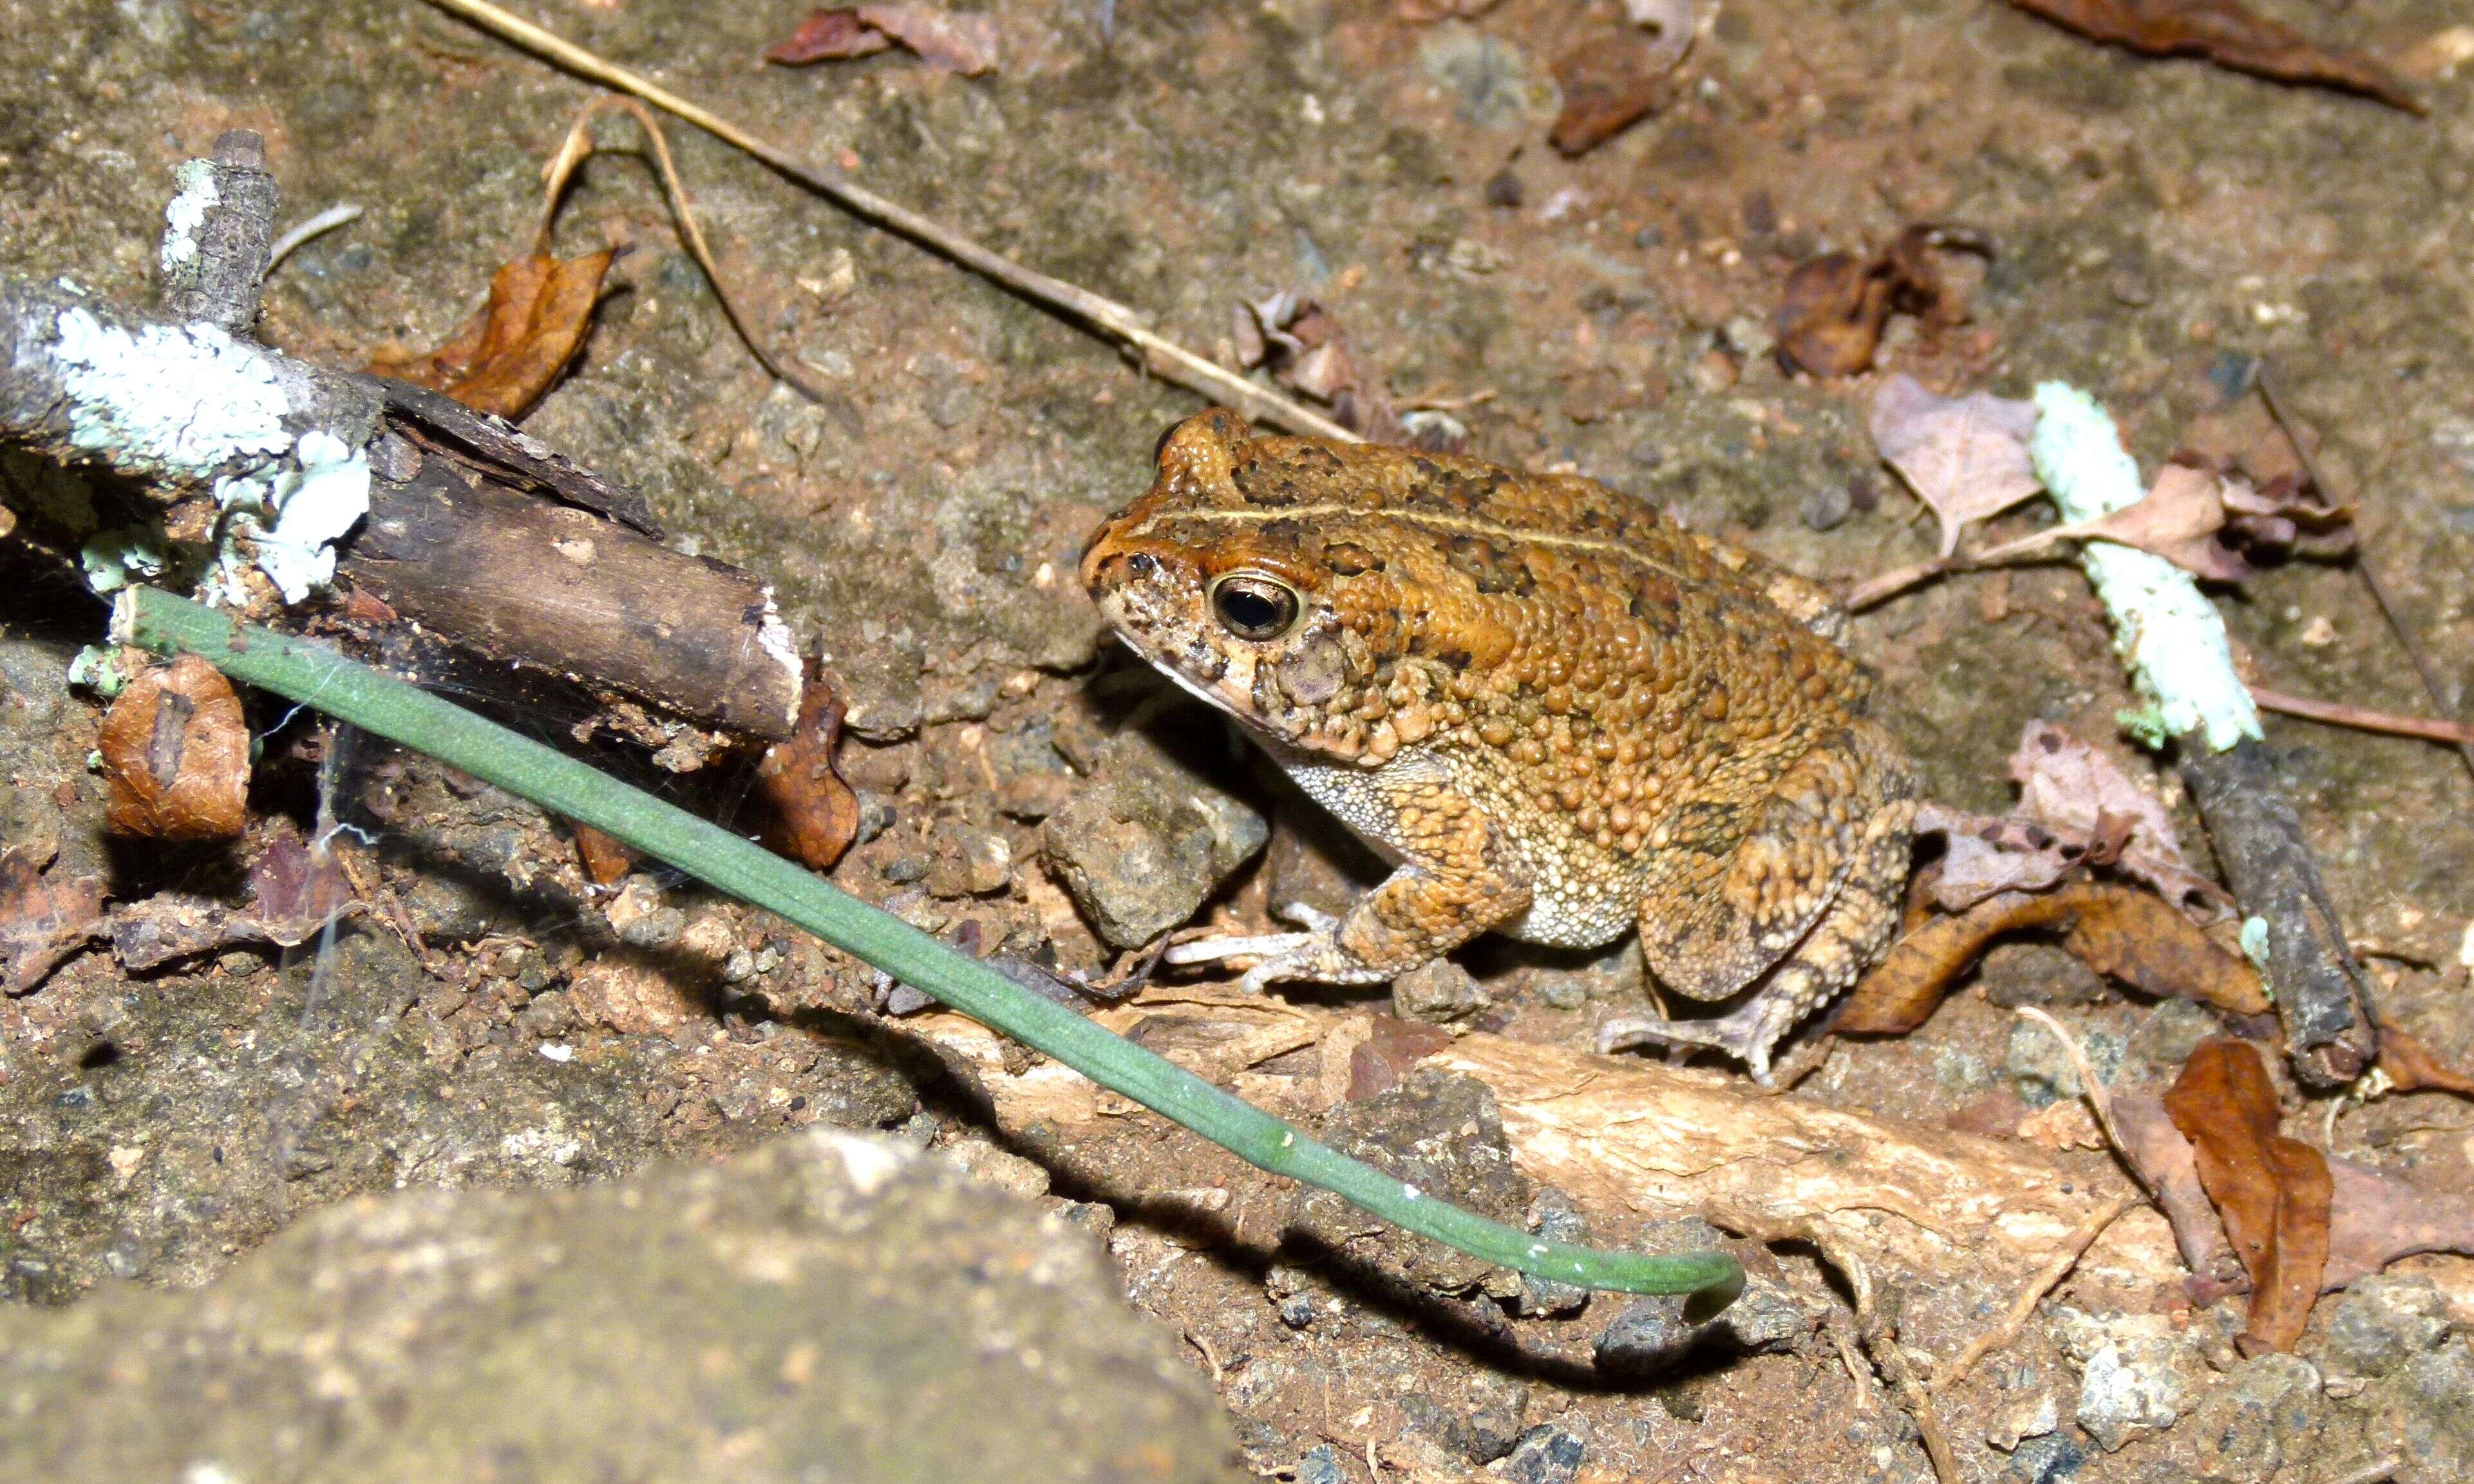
point(1117, 322)
point(318, 226)
point(2431, 687)
point(2033, 1294)
point(578, 146)
point(2363, 719)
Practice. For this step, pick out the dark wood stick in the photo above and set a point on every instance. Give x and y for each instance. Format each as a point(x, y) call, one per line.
point(2322, 996)
point(216, 233)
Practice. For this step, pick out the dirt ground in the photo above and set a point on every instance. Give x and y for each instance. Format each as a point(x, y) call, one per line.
point(2156, 223)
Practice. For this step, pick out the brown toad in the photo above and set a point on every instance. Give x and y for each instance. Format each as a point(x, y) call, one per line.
point(1556, 714)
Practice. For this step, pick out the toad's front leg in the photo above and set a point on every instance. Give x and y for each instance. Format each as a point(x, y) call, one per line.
point(1453, 886)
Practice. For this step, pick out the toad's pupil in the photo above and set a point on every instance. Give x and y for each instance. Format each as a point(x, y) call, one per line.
point(1255, 609)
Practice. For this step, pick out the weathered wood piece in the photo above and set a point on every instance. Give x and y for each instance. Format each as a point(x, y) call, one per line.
point(518, 579)
point(217, 229)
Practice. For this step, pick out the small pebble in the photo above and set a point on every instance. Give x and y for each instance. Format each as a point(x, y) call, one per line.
point(1826, 508)
point(1505, 189)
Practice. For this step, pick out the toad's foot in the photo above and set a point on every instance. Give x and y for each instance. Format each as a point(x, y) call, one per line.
point(1314, 954)
point(1748, 1034)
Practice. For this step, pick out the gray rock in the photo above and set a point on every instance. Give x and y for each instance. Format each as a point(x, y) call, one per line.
point(2381, 1323)
point(2137, 1373)
point(967, 861)
point(2046, 1460)
point(1547, 1454)
point(1438, 994)
point(831, 1304)
point(1827, 506)
point(1321, 1465)
point(1146, 841)
point(1440, 1133)
point(2264, 1417)
point(1496, 83)
point(1651, 1337)
point(2171, 1032)
point(2042, 1068)
point(1499, 1407)
point(2422, 1414)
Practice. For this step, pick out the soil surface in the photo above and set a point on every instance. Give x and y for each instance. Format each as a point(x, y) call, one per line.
point(494, 1020)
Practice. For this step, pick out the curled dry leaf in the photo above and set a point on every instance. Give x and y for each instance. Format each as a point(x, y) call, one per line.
point(2410, 1066)
point(2272, 1193)
point(295, 891)
point(1964, 457)
point(2179, 520)
point(828, 36)
point(2231, 36)
point(816, 814)
point(2120, 932)
point(511, 352)
point(44, 916)
point(176, 755)
point(1303, 347)
point(1831, 318)
point(1610, 82)
point(2072, 789)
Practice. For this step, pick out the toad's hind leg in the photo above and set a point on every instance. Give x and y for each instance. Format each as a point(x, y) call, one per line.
point(1851, 934)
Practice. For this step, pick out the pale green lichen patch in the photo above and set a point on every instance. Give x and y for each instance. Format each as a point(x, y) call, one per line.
point(2164, 627)
point(126, 555)
point(292, 520)
point(196, 197)
point(183, 402)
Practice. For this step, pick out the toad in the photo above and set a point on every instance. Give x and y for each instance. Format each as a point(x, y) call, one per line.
point(1557, 715)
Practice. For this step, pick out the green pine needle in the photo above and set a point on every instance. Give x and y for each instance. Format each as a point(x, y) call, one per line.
point(403, 714)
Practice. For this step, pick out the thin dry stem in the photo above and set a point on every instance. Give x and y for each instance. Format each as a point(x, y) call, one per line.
point(578, 146)
point(2033, 1294)
point(2363, 719)
point(1159, 355)
point(2431, 687)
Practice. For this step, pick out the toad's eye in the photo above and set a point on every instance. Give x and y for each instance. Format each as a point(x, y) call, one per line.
point(1254, 607)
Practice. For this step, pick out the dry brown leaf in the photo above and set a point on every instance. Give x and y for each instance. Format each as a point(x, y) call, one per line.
point(606, 861)
point(957, 41)
point(816, 814)
point(2413, 1068)
point(2120, 932)
point(2007, 854)
point(44, 917)
point(1609, 85)
point(2230, 35)
point(828, 36)
point(295, 889)
point(1391, 1048)
point(1830, 315)
point(1964, 457)
point(2272, 1193)
point(1303, 347)
point(2179, 520)
point(175, 752)
point(2072, 789)
point(511, 352)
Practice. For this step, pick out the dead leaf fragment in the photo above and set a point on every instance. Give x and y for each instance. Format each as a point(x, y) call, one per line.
point(43, 917)
point(2120, 932)
point(2230, 35)
point(961, 42)
point(1831, 316)
point(1303, 347)
point(2272, 1193)
point(295, 892)
point(2413, 1068)
point(511, 352)
point(2179, 520)
point(2072, 789)
point(1609, 85)
point(816, 814)
point(828, 36)
point(1964, 457)
point(176, 755)
point(606, 861)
